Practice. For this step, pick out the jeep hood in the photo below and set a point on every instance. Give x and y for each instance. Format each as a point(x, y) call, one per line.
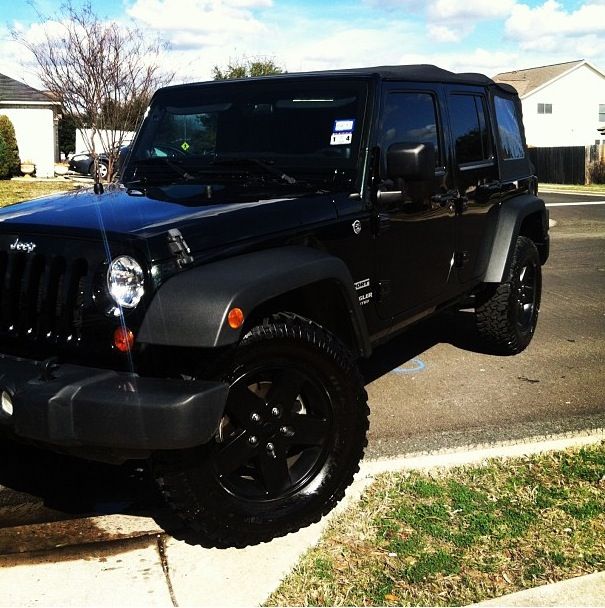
point(117, 214)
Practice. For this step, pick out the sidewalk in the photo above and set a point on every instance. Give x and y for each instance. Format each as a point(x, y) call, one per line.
point(142, 566)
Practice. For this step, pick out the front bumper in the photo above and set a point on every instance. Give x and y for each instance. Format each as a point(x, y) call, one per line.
point(72, 406)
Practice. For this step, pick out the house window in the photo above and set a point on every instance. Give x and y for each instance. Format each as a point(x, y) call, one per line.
point(602, 112)
point(545, 108)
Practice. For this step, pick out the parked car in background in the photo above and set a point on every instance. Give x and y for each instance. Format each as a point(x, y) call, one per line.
point(83, 162)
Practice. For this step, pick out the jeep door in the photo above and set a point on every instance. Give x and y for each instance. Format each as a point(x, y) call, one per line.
point(415, 233)
point(476, 179)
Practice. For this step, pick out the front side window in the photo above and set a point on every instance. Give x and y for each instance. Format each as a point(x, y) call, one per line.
point(511, 142)
point(470, 130)
point(545, 108)
point(410, 118)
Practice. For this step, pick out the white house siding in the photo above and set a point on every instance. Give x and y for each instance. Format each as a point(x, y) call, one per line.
point(575, 99)
point(34, 128)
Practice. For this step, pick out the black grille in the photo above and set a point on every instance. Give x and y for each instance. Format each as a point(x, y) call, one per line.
point(41, 296)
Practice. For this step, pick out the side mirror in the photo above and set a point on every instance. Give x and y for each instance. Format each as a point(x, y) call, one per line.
point(411, 161)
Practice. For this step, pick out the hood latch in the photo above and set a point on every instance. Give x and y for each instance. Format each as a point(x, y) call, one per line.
point(179, 248)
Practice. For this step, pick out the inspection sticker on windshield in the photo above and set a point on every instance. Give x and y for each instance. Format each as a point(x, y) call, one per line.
point(344, 125)
point(342, 132)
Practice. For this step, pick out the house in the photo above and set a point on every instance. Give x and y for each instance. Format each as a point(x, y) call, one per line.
point(563, 104)
point(35, 118)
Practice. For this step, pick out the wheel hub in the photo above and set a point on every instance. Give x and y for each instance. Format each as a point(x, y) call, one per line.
point(273, 434)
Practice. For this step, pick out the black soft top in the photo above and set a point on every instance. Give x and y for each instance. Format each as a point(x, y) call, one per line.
point(406, 73)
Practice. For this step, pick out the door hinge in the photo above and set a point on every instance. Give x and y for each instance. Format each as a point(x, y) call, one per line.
point(384, 290)
point(179, 248)
point(383, 223)
point(461, 258)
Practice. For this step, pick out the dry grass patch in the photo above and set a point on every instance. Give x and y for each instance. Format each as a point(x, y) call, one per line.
point(14, 191)
point(595, 188)
point(460, 536)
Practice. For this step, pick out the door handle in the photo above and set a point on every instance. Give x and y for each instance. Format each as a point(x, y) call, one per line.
point(461, 204)
point(446, 198)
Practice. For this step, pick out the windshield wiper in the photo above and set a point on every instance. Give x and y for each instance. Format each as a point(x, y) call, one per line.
point(266, 166)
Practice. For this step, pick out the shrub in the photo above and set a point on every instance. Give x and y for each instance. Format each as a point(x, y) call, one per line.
point(4, 174)
point(596, 170)
point(9, 154)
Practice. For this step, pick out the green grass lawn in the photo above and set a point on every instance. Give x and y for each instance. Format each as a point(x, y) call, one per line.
point(457, 537)
point(14, 191)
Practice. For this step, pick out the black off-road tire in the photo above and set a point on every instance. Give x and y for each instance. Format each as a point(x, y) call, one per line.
point(506, 316)
point(289, 445)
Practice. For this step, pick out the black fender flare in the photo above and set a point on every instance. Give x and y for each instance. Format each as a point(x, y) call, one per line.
point(191, 308)
point(513, 212)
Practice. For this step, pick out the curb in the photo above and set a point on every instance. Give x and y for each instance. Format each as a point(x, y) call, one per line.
point(588, 590)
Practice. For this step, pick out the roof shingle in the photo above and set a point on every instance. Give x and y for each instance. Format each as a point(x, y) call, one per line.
point(526, 81)
point(13, 90)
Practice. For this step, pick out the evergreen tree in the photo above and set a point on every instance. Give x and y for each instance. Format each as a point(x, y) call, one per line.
point(245, 67)
point(4, 173)
point(9, 158)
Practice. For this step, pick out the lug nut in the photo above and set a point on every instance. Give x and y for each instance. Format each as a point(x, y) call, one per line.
point(287, 431)
point(271, 450)
point(255, 417)
point(275, 412)
point(253, 440)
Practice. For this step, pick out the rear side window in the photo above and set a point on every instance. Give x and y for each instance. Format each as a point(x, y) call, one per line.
point(410, 118)
point(508, 129)
point(470, 130)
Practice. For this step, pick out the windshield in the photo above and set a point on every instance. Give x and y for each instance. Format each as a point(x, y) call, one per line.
point(292, 135)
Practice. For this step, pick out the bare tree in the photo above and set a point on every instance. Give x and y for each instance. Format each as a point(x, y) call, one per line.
point(104, 74)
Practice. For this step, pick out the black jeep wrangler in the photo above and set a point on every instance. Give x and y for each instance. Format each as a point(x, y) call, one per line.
point(208, 312)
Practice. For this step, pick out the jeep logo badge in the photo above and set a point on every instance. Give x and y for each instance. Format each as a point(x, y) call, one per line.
point(22, 246)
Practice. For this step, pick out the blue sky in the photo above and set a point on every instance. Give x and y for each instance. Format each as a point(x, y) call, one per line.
point(487, 36)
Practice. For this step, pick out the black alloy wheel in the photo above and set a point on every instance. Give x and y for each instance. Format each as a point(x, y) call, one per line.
point(274, 433)
point(526, 286)
point(506, 316)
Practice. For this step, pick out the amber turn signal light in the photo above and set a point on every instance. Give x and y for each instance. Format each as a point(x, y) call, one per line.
point(235, 318)
point(123, 339)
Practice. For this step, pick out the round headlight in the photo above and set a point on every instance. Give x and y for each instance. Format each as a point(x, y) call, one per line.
point(125, 281)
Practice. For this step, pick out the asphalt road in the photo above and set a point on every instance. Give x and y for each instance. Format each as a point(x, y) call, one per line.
point(439, 390)
point(431, 388)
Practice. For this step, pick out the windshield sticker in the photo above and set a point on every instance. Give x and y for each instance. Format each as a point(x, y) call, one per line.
point(344, 125)
point(340, 139)
point(342, 133)
point(185, 146)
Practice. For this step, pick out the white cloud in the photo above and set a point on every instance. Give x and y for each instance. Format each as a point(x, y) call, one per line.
point(553, 31)
point(551, 19)
point(226, 17)
point(452, 20)
point(473, 10)
point(443, 33)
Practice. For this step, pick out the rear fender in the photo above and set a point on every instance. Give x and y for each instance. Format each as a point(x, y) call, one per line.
point(513, 213)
